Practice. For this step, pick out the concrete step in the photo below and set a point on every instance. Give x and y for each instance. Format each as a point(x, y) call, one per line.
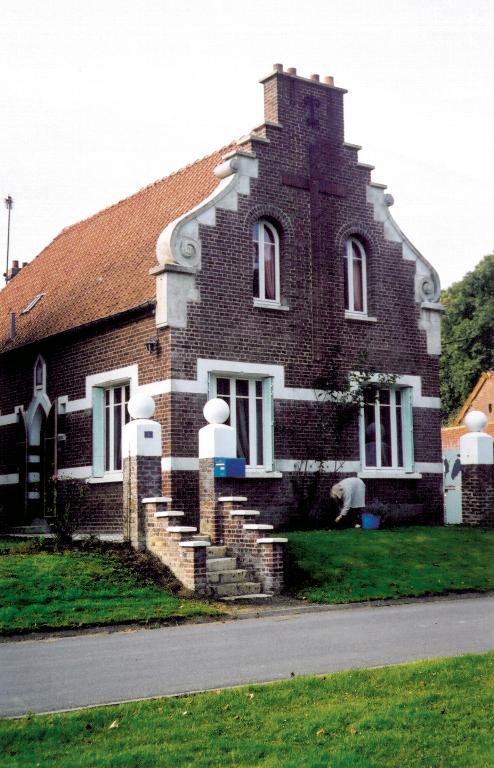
point(221, 564)
point(241, 588)
point(227, 577)
point(217, 551)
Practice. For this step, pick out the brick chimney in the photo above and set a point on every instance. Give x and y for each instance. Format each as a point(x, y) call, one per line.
point(296, 101)
point(14, 270)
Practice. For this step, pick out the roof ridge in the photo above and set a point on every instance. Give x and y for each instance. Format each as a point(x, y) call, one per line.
point(134, 194)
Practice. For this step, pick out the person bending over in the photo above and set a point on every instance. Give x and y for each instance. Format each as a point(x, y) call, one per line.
point(350, 495)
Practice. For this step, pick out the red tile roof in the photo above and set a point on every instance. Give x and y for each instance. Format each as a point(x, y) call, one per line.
point(450, 436)
point(100, 266)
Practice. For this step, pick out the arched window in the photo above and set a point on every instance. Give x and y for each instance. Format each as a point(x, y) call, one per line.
point(355, 277)
point(266, 262)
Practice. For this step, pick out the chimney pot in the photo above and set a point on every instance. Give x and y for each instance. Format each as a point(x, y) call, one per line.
point(278, 67)
point(292, 70)
point(315, 78)
point(329, 80)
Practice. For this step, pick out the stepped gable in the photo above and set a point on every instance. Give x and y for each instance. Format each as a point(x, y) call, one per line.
point(100, 267)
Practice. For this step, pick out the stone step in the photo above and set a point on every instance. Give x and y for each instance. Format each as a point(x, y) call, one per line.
point(221, 564)
point(217, 551)
point(259, 597)
point(235, 589)
point(227, 577)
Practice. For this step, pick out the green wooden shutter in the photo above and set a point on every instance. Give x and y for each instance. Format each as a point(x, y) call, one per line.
point(268, 408)
point(98, 431)
point(407, 415)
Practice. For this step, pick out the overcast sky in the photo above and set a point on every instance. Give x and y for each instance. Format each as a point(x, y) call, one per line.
point(99, 98)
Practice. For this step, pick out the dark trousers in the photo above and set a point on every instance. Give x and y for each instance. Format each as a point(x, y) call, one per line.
point(352, 518)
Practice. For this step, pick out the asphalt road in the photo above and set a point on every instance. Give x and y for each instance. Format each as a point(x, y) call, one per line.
point(70, 672)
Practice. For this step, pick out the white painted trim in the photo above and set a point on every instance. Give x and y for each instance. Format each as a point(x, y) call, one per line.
point(8, 418)
point(429, 467)
point(11, 479)
point(179, 464)
point(108, 477)
point(128, 374)
point(199, 385)
point(311, 465)
point(362, 316)
point(269, 304)
point(74, 473)
point(382, 474)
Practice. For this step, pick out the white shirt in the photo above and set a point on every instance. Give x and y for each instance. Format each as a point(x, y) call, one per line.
point(353, 494)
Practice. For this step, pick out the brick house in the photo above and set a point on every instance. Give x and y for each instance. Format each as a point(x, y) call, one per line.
point(245, 275)
point(481, 398)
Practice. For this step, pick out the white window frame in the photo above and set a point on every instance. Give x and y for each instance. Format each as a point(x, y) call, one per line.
point(350, 311)
point(267, 415)
point(405, 427)
point(112, 389)
point(261, 300)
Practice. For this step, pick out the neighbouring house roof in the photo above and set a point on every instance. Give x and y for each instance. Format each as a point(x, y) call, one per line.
point(485, 378)
point(100, 267)
point(450, 436)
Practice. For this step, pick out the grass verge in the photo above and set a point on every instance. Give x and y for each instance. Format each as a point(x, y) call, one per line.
point(419, 715)
point(43, 590)
point(351, 565)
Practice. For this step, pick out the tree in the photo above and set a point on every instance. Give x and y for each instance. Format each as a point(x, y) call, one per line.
point(467, 335)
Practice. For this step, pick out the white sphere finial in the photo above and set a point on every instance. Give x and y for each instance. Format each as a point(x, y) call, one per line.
point(141, 406)
point(475, 421)
point(216, 411)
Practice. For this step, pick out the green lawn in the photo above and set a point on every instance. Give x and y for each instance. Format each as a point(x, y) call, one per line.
point(434, 714)
point(52, 590)
point(349, 565)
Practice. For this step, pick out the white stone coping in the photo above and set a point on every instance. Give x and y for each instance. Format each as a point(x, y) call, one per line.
point(108, 477)
point(157, 500)
point(194, 544)
point(271, 541)
point(170, 513)
point(359, 316)
point(240, 512)
point(181, 529)
point(379, 474)
point(232, 498)
point(258, 527)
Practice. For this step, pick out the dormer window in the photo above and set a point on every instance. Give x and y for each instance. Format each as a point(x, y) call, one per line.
point(355, 277)
point(266, 262)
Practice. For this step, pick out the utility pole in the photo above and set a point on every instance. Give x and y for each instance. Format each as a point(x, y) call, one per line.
point(9, 203)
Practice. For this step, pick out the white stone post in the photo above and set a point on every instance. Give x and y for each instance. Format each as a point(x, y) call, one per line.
point(141, 453)
point(216, 439)
point(477, 463)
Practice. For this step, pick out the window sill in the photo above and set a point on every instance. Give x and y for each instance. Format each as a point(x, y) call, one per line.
point(267, 304)
point(253, 474)
point(109, 477)
point(359, 316)
point(383, 474)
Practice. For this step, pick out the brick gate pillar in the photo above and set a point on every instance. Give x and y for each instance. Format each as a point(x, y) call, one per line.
point(477, 464)
point(215, 440)
point(141, 453)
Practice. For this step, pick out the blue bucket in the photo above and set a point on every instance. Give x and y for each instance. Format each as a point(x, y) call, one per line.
point(370, 521)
